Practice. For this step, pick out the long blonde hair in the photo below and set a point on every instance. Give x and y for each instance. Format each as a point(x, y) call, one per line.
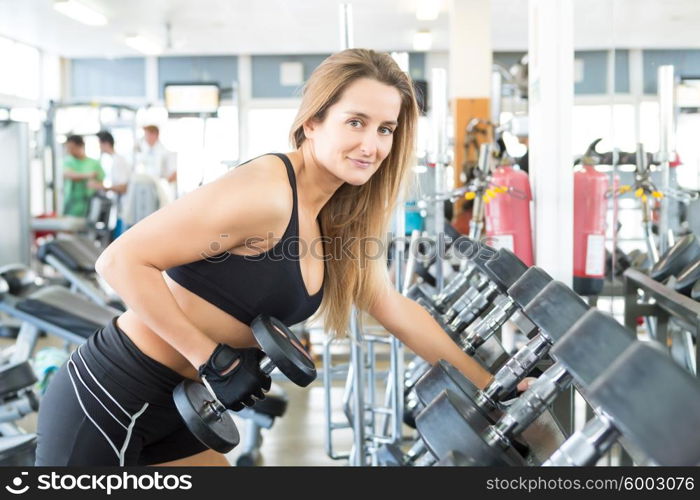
point(356, 218)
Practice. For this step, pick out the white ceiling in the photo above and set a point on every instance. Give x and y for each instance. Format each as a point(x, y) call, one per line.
point(312, 26)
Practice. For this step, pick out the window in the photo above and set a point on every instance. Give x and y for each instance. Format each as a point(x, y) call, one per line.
point(649, 125)
point(204, 147)
point(268, 130)
point(593, 121)
point(22, 79)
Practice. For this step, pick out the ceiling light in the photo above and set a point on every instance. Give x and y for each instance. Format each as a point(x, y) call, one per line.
point(428, 10)
point(422, 41)
point(144, 45)
point(80, 12)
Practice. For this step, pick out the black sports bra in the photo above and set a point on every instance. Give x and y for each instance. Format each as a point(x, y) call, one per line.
point(245, 286)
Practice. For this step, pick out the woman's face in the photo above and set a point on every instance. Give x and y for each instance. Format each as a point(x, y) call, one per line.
point(357, 132)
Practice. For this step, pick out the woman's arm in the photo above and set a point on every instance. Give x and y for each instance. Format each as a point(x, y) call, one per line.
point(254, 201)
point(415, 327)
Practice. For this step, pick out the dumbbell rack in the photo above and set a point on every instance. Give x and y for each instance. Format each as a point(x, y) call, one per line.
point(667, 303)
point(378, 423)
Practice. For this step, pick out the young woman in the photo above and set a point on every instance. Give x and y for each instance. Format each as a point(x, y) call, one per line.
point(285, 235)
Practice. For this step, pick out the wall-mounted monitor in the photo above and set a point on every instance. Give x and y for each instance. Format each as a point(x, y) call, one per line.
point(191, 99)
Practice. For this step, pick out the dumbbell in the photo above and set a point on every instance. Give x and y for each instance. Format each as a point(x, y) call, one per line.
point(684, 252)
point(211, 422)
point(586, 350)
point(467, 280)
point(530, 285)
point(501, 268)
point(512, 289)
point(470, 304)
point(518, 295)
point(476, 280)
point(470, 282)
point(454, 289)
point(554, 310)
point(506, 272)
point(646, 400)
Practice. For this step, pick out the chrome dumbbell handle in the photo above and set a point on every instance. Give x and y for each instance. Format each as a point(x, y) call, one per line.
point(455, 289)
point(467, 297)
point(482, 330)
point(585, 447)
point(531, 404)
point(473, 309)
point(518, 367)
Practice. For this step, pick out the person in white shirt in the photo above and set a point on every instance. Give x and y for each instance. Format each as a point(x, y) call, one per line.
point(119, 174)
point(153, 159)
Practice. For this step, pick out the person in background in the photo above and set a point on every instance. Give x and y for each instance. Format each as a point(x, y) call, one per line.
point(120, 173)
point(155, 160)
point(82, 176)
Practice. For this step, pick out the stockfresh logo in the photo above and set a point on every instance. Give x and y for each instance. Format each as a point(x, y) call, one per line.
point(17, 487)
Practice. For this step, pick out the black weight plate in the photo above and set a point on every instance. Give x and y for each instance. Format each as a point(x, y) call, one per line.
point(282, 347)
point(491, 354)
point(504, 269)
point(687, 278)
point(442, 375)
point(217, 432)
point(528, 286)
point(654, 403)
point(685, 251)
point(555, 309)
point(591, 345)
point(447, 424)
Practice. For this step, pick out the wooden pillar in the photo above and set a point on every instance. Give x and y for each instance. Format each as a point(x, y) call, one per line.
point(464, 110)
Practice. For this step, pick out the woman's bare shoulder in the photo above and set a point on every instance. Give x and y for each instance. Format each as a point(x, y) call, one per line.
point(253, 201)
point(269, 167)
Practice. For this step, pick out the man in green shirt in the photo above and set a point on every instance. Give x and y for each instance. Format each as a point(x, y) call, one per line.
point(82, 176)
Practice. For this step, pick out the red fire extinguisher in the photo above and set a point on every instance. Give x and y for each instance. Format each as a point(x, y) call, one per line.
point(508, 212)
point(590, 206)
